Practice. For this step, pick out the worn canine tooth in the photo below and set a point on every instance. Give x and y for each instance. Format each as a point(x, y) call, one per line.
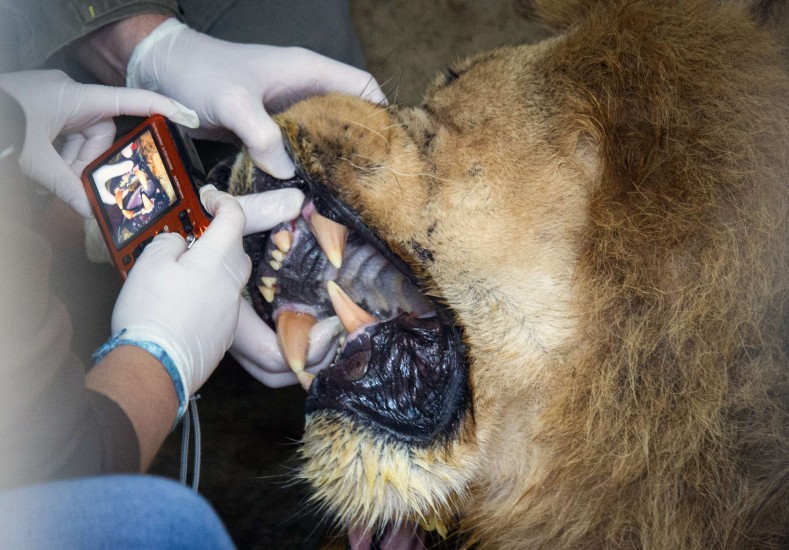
point(331, 236)
point(267, 292)
point(269, 282)
point(351, 315)
point(282, 240)
point(293, 335)
point(305, 379)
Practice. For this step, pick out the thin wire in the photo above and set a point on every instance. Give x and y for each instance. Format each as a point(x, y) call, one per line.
point(196, 420)
point(185, 446)
point(192, 417)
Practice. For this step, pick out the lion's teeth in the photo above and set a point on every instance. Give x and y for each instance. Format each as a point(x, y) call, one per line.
point(275, 265)
point(283, 240)
point(293, 335)
point(331, 236)
point(267, 292)
point(351, 315)
point(278, 255)
point(305, 379)
point(269, 282)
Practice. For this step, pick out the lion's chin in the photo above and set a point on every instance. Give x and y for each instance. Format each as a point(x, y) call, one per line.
point(377, 487)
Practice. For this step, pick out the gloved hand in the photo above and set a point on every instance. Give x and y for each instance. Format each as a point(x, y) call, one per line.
point(55, 105)
point(185, 302)
point(233, 85)
point(255, 345)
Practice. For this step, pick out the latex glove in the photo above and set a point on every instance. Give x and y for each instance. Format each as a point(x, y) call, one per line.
point(55, 105)
point(235, 86)
point(255, 344)
point(185, 302)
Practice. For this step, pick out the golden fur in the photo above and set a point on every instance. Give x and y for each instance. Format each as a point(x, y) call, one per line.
point(606, 214)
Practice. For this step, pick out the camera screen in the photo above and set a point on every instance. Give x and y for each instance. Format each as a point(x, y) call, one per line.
point(134, 188)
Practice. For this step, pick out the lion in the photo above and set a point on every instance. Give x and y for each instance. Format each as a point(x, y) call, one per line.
point(598, 225)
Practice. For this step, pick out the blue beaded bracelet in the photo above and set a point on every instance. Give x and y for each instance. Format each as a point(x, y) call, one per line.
point(158, 352)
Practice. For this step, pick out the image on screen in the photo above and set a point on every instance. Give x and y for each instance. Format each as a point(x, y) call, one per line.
point(134, 188)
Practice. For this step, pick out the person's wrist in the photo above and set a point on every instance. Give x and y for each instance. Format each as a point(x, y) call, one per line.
point(171, 360)
point(106, 51)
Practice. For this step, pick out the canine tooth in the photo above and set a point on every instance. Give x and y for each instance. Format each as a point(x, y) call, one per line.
point(283, 240)
point(331, 236)
point(305, 379)
point(269, 282)
point(351, 315)
point(275, 265)
point(293, 335)
point(267, 292)
point(278, 255)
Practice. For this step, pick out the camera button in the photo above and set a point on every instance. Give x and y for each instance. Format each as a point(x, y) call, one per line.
point(140, 247)
point(126, 259)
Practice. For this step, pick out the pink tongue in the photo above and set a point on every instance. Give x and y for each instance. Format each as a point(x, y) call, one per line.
point(407, 536)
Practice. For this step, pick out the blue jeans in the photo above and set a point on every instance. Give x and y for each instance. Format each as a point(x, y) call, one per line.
point(112, 512)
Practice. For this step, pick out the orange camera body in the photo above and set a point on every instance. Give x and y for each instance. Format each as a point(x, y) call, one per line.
point(146, 184)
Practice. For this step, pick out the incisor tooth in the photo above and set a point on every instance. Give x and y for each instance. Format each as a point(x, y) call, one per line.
point(275, 265)
point(293, 335)
point(269, 281)
point(278, 255)
point(267, 292)
point(331, 236)
point(283, 240)
point(351, 315)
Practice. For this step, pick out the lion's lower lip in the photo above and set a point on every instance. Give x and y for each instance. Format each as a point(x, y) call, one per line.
point(414, 387)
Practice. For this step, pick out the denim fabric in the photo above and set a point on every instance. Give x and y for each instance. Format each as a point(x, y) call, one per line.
point(109, 512)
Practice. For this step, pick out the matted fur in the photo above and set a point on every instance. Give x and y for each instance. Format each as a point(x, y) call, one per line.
point(606, 214)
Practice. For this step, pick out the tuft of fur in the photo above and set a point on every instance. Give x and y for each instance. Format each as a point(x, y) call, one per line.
point(370, 480)
point(606, 213)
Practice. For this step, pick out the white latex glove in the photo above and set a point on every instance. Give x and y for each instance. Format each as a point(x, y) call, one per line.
point(255, 345)
point(233, 85)
point(185, 302)
point(55, 105)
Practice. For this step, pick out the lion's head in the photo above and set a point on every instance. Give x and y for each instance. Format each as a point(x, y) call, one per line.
point(599, 224)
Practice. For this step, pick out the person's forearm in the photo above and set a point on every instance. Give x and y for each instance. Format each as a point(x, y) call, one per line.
point(106, 51)
point(139, 384)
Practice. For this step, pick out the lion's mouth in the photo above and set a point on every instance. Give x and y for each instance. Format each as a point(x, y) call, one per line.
point(401, 370)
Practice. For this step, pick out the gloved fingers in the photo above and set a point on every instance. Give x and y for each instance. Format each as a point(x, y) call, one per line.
point(72, 143)
point(81, 148)
point(245, 115)
point(223, 237)
point(309, 73)
point(164, 247)
point(256, 348)
point(265, 210)
point(323, 341)
point(49, 168)
point(98, 138)
point(334, 76)
point(134, 101)
point(255, 343)
point(267, 378)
